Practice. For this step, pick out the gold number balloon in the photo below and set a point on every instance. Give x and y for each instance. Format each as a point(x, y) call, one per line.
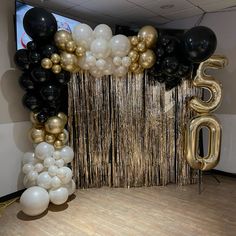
point(205, 119)
point(192, 142)
point(203, 80)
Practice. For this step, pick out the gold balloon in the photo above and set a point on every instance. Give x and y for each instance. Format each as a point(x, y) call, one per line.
point(58, 144)
point(141, 46)
point(34, 121)
point(202, 80)
point(36, 135)
point(147, 59)
point(133, 55)
point(62, 137)
point(139, 70)
point(55, 58)
point(192, 142)
point(70, 46)
point(61, 37)
point(68, 61)
point(134, 40)
point(149, 35)
point(56, 69)
point(46, 63)
point(54, 125)
point(63, 117)
point(80, 51)
point(134, 66)
point(50, 138)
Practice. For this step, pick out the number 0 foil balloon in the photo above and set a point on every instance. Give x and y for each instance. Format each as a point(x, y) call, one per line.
point(203, 80)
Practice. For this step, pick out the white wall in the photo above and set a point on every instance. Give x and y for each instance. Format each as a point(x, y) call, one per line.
point(223, 24)
point(13, 117)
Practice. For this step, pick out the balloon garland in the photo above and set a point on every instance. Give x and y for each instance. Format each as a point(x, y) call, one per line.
point(47, 63)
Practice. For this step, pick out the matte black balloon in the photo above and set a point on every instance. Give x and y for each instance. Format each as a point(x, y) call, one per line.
point(42, 116)
point(164, 40)
point(31, 45)
point(40, 24)
point(160, 51)
point(170, 65)
point(52, 108)
point(40, 75)
point(172, 47)
point(171, 82)
point(50, 92)
point(183, 71)
point(63, 77)
point(31, 102)
point(199, 43)
point(21, 59)
point(34, 57)
point(48, 50)
point(26, 82)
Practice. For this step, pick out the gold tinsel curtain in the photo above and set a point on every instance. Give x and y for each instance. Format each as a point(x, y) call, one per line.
point(128, 132)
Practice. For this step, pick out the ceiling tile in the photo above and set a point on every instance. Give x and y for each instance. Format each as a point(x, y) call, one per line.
point(215, 6)
point(185, 13)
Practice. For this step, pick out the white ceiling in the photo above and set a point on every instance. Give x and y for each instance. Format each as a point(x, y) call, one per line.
point(132, 12)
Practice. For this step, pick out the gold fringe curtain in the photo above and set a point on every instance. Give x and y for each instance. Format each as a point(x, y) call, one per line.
point(128, 132)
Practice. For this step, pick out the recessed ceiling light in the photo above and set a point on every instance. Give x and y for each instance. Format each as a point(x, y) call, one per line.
point(167, 6)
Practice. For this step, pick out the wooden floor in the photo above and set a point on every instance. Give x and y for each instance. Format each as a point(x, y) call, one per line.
point(151, 211)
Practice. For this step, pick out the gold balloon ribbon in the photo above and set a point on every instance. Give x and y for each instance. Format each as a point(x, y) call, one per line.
point(205, 119)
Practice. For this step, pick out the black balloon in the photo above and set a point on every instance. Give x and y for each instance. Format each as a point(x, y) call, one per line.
point(199, 43)
point(21, 59)
point(34, 57)
point(50, 93)
point(183, 70)
point(170, 65)
point(31, 45)
point(26, 82)
point(48, 50)
point(40, 24)
point(160, 51)
point(171, 82)
point(40, 75)
point(63, 77)
point(42, 116)
point(31, 102)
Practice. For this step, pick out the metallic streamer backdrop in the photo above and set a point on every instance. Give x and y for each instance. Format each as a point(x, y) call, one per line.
point(128, 132)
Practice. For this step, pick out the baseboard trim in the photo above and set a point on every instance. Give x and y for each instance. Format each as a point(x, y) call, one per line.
point(220, 172)
point(11, 195)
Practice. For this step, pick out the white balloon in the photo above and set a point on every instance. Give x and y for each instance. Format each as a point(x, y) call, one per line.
point(48, 161)
point(117, 61)
point(67, 154)
point(109, 66)
point(27, 168)
point(100, 64)
point(67, 136)
point(58, 196)
point(120, 45)
point(59, 163)
point(44, 150)
point(56, 155)
point(32, 175)
point(82, 34)
point(90, 60)
point(95, 72)
point(100, 48)
point(82, 63)
point(67, 176)
point(70, 187)
point(28, 157)
point(61, 173)
point(52, 170)
point(126, 61)
point(55, 182)
point(38, 167)
point(44, 180)
point(27, 183)
point(120, 71)
point(103, 31)
point(34, 201)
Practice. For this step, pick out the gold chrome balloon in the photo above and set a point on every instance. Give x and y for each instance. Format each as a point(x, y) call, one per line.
point(62, 137)
point(149, 35)
point(68, 61)
point(63, 117)
point(202, 80)
point(55, 58)
point(50, 138)
point(80, 51)
point(192, 142)
point(56, 69)
point(36, 135)
point(134, 40)
point(46, 63)
point(141, 47)
point(61, 37)
point(133, 67)
point(133, 55)
point(147, 59)
point(34, 120)
point(58, 144)
point(70, 46)
point(54, 125)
